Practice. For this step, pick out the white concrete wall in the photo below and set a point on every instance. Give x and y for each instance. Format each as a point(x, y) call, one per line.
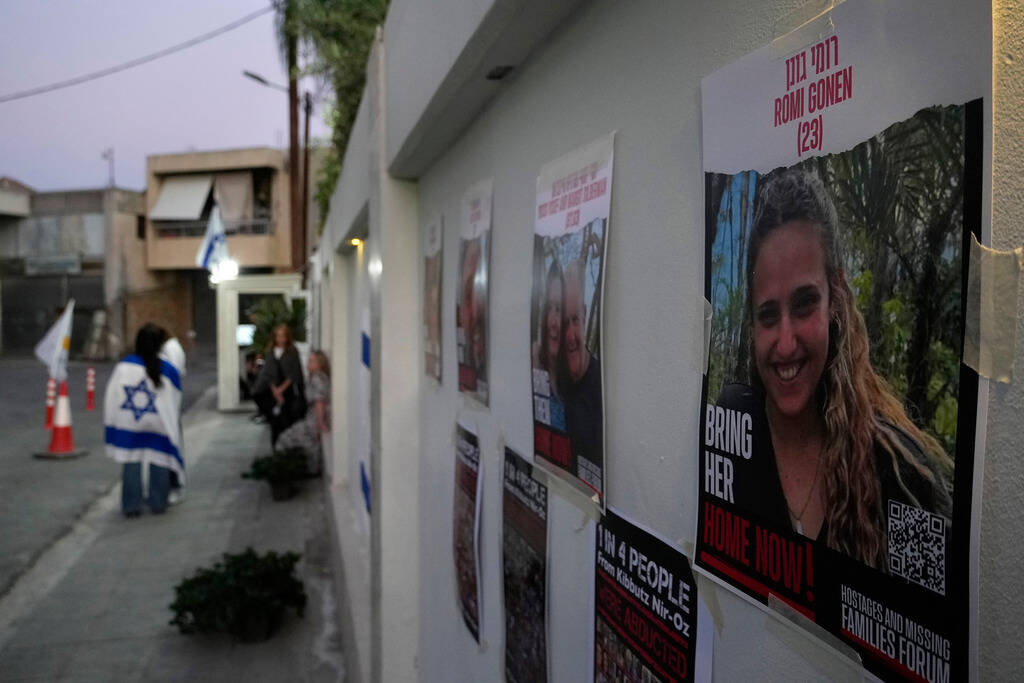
point(418, 65)
point(635, 68)
point(1002, 526)
point(352, 192)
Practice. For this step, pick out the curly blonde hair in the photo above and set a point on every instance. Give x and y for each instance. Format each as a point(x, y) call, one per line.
point(859, 411)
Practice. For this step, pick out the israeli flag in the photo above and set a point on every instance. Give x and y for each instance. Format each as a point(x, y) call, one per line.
point(142, 421)
point(214, 248)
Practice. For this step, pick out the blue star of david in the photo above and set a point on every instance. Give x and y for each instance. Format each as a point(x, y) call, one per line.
point(130, 404)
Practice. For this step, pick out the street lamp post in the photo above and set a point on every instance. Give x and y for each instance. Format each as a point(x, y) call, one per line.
point(298, 211)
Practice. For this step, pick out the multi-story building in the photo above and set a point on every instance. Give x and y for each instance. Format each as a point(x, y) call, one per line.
point(85, 244)
point(250, 186)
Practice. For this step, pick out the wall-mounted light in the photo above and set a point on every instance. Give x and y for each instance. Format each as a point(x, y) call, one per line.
point(224, 270)
point(375, 266)
point(355, 241)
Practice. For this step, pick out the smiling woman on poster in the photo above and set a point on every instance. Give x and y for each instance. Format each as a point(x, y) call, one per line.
point(835, 442)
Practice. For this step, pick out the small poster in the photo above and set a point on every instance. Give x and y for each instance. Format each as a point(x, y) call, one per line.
point(432, 269)
point(646, 621)
point(466, 527)
point(471, 307)
point(843, 184)
point(569, 245)
point(524, 561)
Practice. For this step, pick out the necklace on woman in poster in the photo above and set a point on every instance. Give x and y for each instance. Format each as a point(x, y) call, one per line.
point(793, 516)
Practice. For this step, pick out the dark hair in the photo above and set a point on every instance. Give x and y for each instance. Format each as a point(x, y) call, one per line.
point(554, 274)
point(148, 341)
point(786, 197)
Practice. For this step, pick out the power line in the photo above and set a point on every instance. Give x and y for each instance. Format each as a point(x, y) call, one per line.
point(135, 62)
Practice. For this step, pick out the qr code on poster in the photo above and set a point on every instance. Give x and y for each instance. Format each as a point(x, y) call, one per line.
point(917, 546)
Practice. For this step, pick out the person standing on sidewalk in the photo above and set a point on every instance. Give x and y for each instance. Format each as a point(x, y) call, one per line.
point(173, 353)
point(142, 418)
point(305, 434)
point(280, 391)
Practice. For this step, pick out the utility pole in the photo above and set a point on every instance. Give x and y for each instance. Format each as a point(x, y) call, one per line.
point(305, 182)
point(108, 154)
point(298, 258)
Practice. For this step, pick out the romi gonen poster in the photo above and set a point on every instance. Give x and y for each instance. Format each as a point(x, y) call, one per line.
point(571, 215)
point(844, 177)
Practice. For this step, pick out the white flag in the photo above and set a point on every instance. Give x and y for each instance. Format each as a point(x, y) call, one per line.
point(214, 248)
point(53, 348)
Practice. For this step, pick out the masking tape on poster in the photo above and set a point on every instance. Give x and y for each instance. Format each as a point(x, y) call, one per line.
point(709, 313)
point(990, 330)
point(590, 507)
point(708, 592)
point(706, 588)
point(817, 646)
point(500, 452)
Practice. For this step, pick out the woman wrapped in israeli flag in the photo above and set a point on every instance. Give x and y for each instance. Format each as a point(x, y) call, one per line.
point(142, 418)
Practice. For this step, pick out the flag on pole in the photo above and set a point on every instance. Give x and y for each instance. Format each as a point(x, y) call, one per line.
point(53, 348)
point(214, 248)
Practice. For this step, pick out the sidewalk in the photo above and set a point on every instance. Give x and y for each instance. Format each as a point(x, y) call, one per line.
point(95, 605)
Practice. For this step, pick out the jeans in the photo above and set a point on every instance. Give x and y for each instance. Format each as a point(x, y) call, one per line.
point(131, 488)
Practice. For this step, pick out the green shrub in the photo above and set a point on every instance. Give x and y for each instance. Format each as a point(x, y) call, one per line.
point(279, 468)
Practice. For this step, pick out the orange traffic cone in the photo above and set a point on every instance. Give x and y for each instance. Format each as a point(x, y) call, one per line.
point(51, 393)
point(62, 445)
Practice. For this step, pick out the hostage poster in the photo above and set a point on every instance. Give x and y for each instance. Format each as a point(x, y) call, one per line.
point(471, 309)
point(569, 244)
point(845, 175)
point(646, 621)
point(466, 527)
point(432, 250)
point(524, 561)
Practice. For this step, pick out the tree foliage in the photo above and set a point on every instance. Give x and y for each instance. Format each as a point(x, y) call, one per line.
point(271, 311)
point(334, 41)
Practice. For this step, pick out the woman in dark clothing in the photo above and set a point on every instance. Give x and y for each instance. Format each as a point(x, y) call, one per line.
point(279, 391)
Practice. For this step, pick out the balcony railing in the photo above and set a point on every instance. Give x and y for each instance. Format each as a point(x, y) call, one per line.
point(252, 226)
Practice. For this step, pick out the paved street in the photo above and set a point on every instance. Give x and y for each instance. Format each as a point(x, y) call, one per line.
point(95, 605)
point(41, 499)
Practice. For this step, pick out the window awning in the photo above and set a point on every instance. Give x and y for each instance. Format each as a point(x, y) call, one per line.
point(182, 198)
point(233, 194)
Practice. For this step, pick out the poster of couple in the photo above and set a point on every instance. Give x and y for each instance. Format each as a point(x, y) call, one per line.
point(845, 170)
point(571, 217)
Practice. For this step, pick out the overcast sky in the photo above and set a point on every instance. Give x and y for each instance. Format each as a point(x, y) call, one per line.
point(194, 99)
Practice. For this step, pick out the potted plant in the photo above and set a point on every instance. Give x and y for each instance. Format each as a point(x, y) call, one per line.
point(281, 471)
point(244, 594)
